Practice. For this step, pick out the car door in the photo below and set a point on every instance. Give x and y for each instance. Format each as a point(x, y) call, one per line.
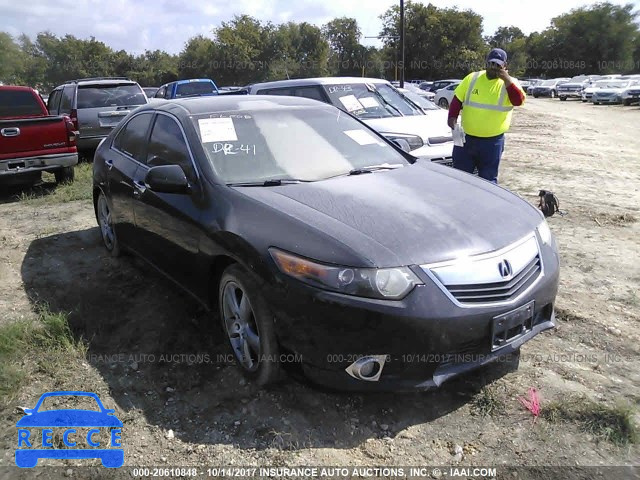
point(122, 161)
point(167, 224)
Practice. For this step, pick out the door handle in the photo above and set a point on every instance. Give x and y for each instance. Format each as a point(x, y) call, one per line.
point(109, 164)
point(139, 188)
point(10, 132)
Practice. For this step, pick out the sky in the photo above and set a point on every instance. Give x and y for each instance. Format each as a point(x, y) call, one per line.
point(137, 25)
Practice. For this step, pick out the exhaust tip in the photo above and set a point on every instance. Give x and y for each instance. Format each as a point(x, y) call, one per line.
point(367, 368)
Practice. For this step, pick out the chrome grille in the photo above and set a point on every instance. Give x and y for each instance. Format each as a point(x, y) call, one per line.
point(497, 291)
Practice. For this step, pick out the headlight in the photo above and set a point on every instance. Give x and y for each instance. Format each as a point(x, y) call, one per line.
point(384, 283)
point(414, 141)
point(545, 232)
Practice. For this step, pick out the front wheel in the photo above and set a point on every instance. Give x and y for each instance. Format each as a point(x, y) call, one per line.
point(443, 102)
point(626, 103)
point(65, 174)
point(563, 99)
point(105, 222)
point(249, 326)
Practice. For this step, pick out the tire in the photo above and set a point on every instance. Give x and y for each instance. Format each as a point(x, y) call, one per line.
point(626, 103)
point(249, 326)
point(65, 175)
point(535, 96)
point(584, 100)
point(107, 230)
point(563, 99)
point(443, 103)
point(552, 94)
point(596, 103)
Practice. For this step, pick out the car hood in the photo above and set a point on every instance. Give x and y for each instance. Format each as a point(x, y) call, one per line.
point(432, 124)
point(609, 90)
point(571, 85)
point(69, 418)
point(413, 215)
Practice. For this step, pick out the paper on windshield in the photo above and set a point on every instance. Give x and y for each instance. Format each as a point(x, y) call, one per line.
point(362, 137)
point(351, 103)
point(369, 102)
point(217, 130)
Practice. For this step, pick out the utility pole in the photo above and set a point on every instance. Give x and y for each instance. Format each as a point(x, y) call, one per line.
point(401, 43)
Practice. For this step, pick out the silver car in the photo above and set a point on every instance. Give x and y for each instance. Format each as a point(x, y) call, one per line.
point(95, 105)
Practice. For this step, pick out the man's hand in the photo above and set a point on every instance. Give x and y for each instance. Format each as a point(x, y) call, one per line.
point(452, 122)
point(503, 73)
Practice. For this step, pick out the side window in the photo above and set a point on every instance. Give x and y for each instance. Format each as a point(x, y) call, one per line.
point(313, 93)
point(132, 138)
point(167, 91)
point(160, 92)
point(67, 99)
point(167, 146)
point(54, 102)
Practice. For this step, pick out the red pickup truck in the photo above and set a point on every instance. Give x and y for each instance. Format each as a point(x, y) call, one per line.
point(31, 140)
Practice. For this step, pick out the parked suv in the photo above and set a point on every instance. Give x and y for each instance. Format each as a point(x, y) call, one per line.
point(95, 105)
point(574, 87)
point(548, 88)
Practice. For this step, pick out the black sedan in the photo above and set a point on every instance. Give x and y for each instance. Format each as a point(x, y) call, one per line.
point(322, 245)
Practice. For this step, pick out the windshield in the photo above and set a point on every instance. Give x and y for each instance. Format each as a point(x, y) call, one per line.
point(611, 84)
point(421, 101)
point(578, 79)
point(303, 143)
point(195, 88)
point(370, 101)
point(97, 96)
point(548, 83)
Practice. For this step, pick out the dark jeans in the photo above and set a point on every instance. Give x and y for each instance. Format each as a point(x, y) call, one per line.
point(483, 153)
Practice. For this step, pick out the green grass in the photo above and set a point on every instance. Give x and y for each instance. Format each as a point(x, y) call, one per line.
point(44, 343)
point(50, 192)
point(614, 424)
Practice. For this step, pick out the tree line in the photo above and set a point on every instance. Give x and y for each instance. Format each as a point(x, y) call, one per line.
point(439, 43)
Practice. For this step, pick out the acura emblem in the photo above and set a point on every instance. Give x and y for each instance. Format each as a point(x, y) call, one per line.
point(504, 267)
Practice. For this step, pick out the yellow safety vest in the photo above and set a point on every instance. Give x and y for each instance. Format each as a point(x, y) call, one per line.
point(486, 108)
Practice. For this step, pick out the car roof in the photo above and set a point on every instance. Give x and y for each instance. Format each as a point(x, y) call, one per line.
point(17, 88)
point(228, 103)
point(317, 81)
point(192, 80)
point(101, 80)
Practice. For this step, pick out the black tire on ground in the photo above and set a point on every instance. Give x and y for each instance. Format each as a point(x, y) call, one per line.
point(107, 229)
point(596, 103)
point(535, 96)
point(245, 315)
point(65, 174)
point(443, 102)
point(564, 99)
point(626, 103)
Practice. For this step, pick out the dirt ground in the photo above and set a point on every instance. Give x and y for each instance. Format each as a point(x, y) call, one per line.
point(185, 410)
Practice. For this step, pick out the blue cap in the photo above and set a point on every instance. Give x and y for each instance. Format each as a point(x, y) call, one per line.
point(497, 55)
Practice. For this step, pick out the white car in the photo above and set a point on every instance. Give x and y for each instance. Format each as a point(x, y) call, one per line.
point(379, 105)
point(445, 95)
point(418, 91)
point(631, 94)
point(611, 91)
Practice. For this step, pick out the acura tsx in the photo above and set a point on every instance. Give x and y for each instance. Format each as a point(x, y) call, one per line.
point(311, 234)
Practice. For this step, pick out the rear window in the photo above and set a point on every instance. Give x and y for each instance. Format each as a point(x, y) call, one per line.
point(195, 88)
point(16, 103)
point(96, 96)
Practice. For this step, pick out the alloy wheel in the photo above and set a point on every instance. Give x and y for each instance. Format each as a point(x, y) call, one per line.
point(240, 325)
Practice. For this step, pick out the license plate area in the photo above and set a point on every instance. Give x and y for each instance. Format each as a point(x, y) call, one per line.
point(510, 326)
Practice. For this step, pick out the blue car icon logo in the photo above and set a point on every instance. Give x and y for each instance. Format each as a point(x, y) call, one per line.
point(35, 433)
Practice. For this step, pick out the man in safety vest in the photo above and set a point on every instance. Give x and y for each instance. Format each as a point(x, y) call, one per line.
point(486, 99)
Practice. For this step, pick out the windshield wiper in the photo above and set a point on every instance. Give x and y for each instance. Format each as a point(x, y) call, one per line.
point(373, 168)
point(268, 183)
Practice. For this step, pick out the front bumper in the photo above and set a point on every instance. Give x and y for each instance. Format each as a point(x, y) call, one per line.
point(442, 153)
point(41, 163)
point(546, 92)
point(570, 93)
point(426, 338)
point(613, 99)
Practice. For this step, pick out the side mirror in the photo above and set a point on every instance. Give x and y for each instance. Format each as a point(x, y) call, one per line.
point(167, 179)
point(402, 144)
